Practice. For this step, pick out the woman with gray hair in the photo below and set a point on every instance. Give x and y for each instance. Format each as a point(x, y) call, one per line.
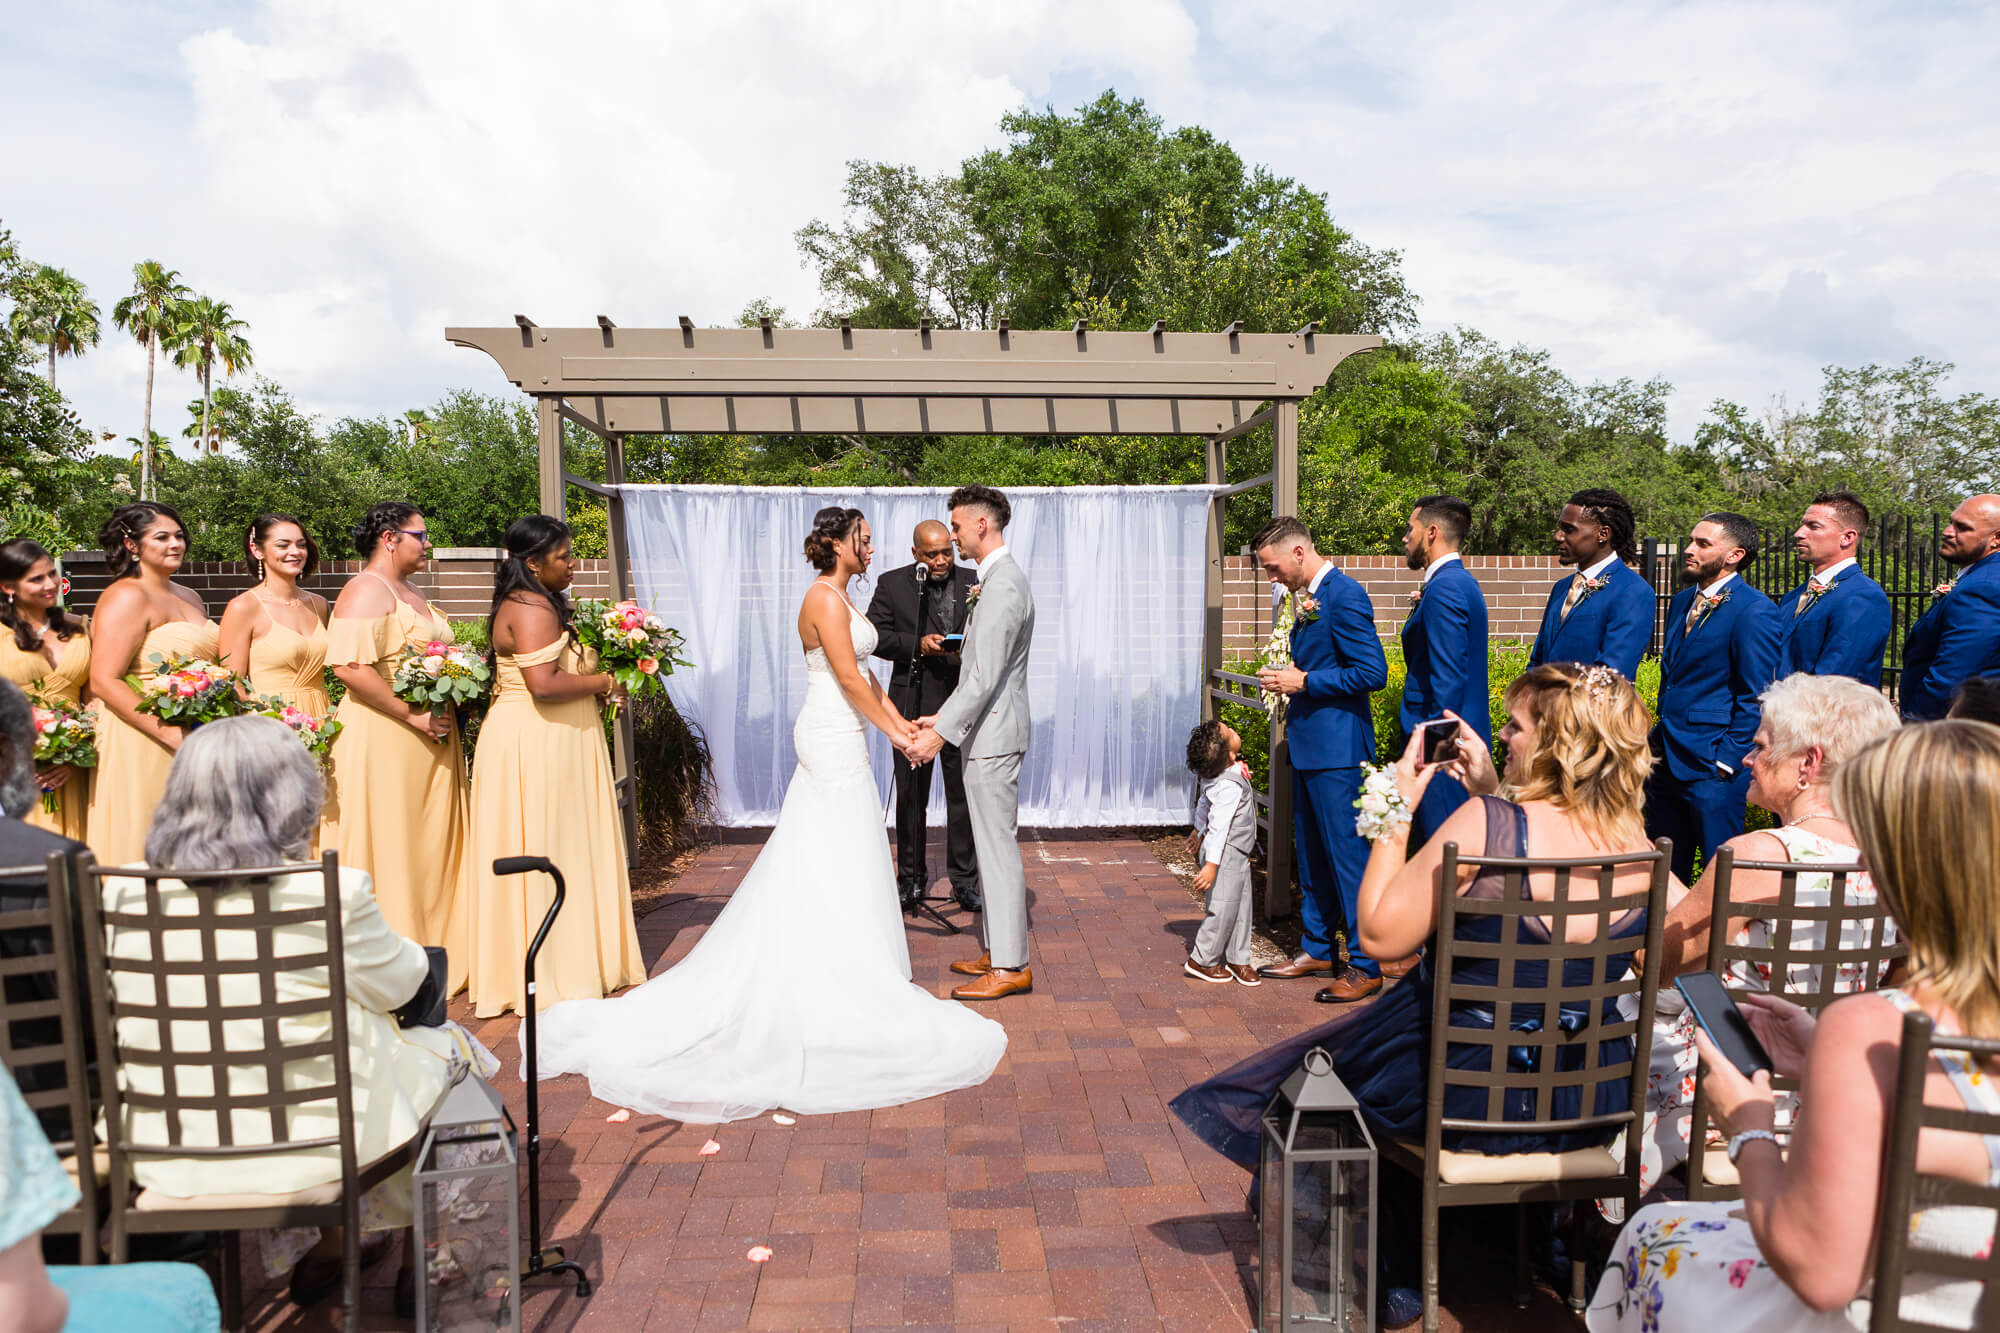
point(243, 792)
point(1811, 726)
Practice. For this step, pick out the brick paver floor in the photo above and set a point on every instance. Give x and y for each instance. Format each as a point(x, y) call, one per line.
point(1060, 1194)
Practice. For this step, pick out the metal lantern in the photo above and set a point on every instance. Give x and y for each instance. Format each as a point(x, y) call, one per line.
point(468, 1214)
point(1316, 1206)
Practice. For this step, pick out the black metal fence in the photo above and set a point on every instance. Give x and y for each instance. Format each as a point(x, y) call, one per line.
point(1901, 555)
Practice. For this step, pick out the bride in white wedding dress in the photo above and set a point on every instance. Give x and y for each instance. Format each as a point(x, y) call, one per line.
point(799, 995)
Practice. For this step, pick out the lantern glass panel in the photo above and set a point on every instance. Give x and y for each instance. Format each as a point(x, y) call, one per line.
point(1271, 1230)
point(471, 1254)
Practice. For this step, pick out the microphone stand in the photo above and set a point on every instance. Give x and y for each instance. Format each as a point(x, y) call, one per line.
point(921, 905)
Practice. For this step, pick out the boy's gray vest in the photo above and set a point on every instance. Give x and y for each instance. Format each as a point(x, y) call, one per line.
point(1243, 826)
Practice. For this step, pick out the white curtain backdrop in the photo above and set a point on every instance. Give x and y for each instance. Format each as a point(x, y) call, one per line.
point(1114, 678)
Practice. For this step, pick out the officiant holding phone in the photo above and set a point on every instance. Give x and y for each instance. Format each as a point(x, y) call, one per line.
point(919, 614)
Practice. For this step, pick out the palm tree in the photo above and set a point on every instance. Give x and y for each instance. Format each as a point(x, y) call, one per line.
point(207, 332)
point(52, 308)
point(149, 315)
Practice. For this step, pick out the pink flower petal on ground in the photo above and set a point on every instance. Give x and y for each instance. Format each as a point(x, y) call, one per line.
point(711, 1148)
point(759, 1254)
point(781, 1118)
point(618, 1117)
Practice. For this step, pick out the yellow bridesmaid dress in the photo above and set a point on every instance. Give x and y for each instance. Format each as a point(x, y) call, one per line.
point(131, 765)
point(541, 786)
point(397, 800)
point(65, 680)
point(291, 666)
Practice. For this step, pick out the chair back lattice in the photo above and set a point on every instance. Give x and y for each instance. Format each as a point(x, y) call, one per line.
point(1822, 945)
point(42, 1041)
point(188, 1046)
point(1535, 1025)
point(1909, 1270)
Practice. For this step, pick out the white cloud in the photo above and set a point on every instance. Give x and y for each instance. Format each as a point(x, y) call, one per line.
point(1726, 195)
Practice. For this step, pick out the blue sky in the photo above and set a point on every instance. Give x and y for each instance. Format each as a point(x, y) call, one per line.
point(1729, 196)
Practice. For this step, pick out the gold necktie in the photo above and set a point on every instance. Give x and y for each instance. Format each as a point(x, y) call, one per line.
point(1575, 594)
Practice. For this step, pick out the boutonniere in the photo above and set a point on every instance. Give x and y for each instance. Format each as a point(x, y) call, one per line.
point(1598, 584)
point(1944, 587)
point(1708, 605)
point(1307, 608)
point(971, 598)
point(1416, 595)
point(1814, 591)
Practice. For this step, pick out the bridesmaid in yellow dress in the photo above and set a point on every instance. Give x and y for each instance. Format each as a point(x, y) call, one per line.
point(398, 780)
point(47, 650)
point(274, 635)
point(143, 612)
point(541, 786)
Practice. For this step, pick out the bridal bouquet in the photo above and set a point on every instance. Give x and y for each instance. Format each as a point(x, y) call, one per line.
point(65, 737)
point(631, 643)
point(187, 691)
point(316, 733)
point(439, 675)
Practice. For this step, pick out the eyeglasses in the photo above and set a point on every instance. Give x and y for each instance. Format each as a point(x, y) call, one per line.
point(421, 534)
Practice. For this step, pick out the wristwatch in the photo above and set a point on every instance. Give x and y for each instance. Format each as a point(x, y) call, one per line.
point(1748, 1136)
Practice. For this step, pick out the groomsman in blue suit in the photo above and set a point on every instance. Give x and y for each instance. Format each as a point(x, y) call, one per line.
point(1837, 622)
point(1444, 642)
point(1603, 613)
point(1336, 663)
point(1721, 654)
point(1959, 637)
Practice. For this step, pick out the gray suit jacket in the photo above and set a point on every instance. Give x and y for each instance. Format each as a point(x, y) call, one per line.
point(987, 715)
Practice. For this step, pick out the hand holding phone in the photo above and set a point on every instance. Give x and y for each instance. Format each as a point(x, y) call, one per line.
point(954, 643)
point(1440, 740)
point(1724, 1023)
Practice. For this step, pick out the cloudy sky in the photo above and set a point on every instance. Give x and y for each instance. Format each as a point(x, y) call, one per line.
point(1729, 196)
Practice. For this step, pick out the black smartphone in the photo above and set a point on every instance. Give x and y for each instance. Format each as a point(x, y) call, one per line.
point(1722, 1021)
point(954, 642)
point(1440, 741)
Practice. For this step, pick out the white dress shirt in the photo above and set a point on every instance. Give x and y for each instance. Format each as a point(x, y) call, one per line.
point(986, 563)
point(1826, 576)
point(1436, 564)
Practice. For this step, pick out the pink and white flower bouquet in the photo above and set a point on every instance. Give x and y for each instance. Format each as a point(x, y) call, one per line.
point(439, 676)
point(65, 737)
point(316, 733)
point(187, 691)
point(632, 644)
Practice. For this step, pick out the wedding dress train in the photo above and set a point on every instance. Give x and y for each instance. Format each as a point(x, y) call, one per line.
point(799, 995)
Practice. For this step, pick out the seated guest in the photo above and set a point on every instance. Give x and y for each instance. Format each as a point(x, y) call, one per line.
point(1795, 1252)
point(1811, 726)
point(1977, 698)
point(34, 1191)
point(244, 792)
point(1576, 770)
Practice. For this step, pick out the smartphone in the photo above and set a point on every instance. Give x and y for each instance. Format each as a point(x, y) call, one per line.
point(954, 642)
point(1722, 1021)
point(1440, 741)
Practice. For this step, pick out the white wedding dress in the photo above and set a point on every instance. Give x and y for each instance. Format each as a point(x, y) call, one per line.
point(799, 995)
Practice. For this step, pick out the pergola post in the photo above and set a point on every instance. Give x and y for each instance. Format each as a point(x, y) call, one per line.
point(1216, 457)
point(549, 432)
point(622, 737)
point(1284, 500)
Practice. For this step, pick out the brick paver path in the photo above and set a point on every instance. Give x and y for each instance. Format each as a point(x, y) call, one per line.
point(1060, 1194)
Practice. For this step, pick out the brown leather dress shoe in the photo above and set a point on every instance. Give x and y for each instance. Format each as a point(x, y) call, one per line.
point(1349, 986)
point(1206, 971)
point(998, 983)
point(1305, 965)
point(1401, 967)
point(974, 967)
point(1245, 974)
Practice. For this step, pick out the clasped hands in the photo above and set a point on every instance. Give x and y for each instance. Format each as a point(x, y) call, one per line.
point(920, 743)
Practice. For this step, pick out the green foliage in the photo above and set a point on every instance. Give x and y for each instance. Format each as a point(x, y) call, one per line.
point(676, 782)
point(44, 453)
point(53, 310)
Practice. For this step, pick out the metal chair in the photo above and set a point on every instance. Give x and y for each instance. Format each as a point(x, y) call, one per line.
point(1906, 1189)
point(1856, 947)
point(1524, 1047)
point(42, 1043)
point(184, 1005)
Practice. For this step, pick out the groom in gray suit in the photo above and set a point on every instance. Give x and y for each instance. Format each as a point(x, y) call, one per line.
point(986, 717)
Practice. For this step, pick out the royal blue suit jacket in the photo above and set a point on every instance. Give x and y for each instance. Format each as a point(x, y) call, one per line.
point(1843, 633)
point(1444, 651)
point(1328, 724)
point(1958, 638)
point(1710, 680)
point(1612, 626)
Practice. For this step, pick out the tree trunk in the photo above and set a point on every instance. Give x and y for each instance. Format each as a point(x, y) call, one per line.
point(52, 363)
point(207, 370)
point(146, 431)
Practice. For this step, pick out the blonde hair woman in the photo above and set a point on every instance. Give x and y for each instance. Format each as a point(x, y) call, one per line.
point(1577, 762)
point(1796, 1251)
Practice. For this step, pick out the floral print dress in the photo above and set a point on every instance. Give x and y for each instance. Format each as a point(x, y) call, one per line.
point(1696, 1266)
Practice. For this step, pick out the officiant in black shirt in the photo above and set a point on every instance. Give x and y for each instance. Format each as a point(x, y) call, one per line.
point(913, 609)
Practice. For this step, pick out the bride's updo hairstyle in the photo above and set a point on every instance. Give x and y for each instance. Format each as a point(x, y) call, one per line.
point(388, 516)
point(1590, 758)
point(831, 526)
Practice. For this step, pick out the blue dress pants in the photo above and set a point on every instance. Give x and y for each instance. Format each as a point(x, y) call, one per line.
point(1701, 813)
point(1332, 858)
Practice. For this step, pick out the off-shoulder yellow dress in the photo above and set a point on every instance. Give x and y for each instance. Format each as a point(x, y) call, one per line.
point(541, 786)
point(65, 680)
point(131, 765)
point(397, 799)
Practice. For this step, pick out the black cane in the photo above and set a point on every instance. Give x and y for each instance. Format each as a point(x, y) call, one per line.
point(550, 1260)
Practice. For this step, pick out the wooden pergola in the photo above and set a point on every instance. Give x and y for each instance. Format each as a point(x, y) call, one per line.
point(685, 380)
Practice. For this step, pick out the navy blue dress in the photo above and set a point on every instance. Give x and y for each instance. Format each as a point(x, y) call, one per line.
point(1382, 1052)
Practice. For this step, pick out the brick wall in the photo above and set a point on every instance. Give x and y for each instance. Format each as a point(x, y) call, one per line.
point(1516, 587)
point(458, 580)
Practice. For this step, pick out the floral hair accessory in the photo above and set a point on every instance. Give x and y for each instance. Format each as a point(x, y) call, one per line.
point(1385, 813)
point(1598, 682)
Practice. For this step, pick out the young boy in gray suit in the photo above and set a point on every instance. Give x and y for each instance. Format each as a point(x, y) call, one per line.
point(1225, 829)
